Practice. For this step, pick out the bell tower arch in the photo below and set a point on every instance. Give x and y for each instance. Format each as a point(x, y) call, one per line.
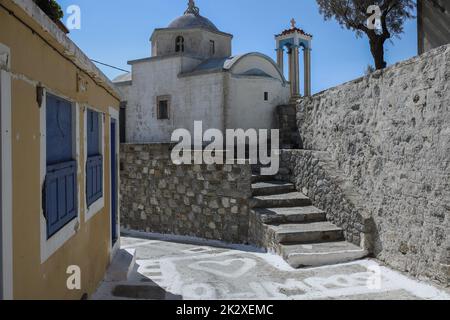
point(292, 40)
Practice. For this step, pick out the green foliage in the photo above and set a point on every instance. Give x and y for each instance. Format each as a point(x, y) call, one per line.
point(51, 8)
point(354, 15)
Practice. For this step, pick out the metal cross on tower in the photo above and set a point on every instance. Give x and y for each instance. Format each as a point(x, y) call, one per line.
point(293, 22)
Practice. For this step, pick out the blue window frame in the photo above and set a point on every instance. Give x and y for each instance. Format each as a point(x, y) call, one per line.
point(60, 187)
point(94, 165)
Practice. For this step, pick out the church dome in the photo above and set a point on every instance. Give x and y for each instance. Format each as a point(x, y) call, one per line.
point(192, 19)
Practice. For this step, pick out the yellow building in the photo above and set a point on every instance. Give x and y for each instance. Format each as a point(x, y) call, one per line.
point(59, 173)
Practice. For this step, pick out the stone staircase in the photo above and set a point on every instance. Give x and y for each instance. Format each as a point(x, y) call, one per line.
point(292, 227)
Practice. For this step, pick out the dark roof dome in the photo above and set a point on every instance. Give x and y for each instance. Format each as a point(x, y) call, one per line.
point(192, 19)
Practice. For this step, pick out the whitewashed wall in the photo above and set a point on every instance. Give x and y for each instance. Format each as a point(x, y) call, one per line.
point(246, 105)
point(247, 108)
point(222, 100)
point(193, 98)
point(197, 42)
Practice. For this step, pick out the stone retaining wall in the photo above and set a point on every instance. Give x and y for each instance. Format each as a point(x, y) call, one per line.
point(287, 124)
point(210, 202)
point(389, 135)
point(315, 175)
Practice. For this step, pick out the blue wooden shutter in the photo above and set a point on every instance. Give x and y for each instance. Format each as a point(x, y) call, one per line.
point(94, 179)
point(59, 130)
point(60, 196)
point(94, 165)
point(60, 188)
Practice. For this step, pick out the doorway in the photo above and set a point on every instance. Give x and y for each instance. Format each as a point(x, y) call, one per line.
point(114, 179)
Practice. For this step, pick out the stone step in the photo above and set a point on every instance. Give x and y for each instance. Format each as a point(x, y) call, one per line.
point(291, 215)
point(319, 254)
point(259, 178)
point(271, 188)
point(305, 233)
point(288, 146)
point(292, 199)
point(121, 266)
point(256, 171)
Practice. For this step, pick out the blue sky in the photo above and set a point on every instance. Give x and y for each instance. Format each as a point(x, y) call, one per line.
point(117, 31)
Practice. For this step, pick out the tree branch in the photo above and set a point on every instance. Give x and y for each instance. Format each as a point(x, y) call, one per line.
point(389, 5)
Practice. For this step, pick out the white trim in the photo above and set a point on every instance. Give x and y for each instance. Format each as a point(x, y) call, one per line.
point(114, 114)
point(50, 246)
point(6, 176)
point(98, 205)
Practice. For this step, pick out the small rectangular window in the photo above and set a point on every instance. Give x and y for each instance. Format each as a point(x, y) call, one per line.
point(122, 121)
point(212, 46)
point(266, 96)
point(163, 108)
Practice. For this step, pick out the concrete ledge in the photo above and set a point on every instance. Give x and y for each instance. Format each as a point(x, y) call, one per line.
point(320, 254)
point(190, 240)
point(121, 266)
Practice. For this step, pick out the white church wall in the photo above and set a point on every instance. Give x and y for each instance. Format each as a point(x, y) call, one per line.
point(247, 108)
point(150, 79)
point(246, 104)
point(189, 63)
point(197, 42)
point(191, 99)
point(124, 89)
point(202, 99)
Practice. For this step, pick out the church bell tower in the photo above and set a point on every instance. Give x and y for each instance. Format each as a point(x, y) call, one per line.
point(292, 40)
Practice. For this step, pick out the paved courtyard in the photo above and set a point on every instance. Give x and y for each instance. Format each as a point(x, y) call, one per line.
point(169, 270)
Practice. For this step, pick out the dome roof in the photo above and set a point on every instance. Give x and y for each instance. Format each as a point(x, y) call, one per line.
point(191, 20)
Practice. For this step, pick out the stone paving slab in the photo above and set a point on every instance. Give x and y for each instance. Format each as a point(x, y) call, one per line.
point(168, 270)
point(321, 254)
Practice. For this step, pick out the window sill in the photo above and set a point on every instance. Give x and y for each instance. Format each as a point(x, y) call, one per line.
point(94, 208)
point(50, 246)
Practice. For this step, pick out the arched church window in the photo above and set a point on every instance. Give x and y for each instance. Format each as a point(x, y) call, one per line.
point(179, 44)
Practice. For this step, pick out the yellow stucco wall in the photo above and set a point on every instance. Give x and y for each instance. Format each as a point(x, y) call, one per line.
point(33, 60)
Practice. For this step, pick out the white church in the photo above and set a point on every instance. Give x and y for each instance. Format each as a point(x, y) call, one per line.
point(193, 76)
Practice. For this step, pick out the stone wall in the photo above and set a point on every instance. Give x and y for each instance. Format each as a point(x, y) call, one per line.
point(316, 176)
point(389, 135)
point(433, 25)
point(210, 202)
point(287, 124)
